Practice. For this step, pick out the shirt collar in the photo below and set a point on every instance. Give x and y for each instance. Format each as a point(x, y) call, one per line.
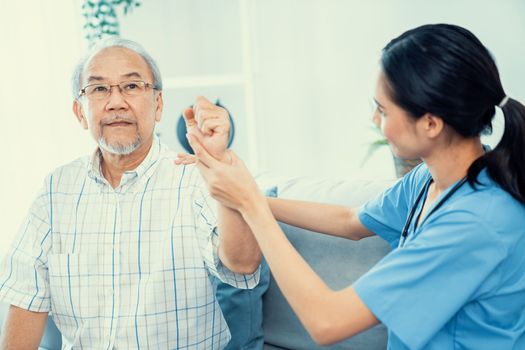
point(144, 168)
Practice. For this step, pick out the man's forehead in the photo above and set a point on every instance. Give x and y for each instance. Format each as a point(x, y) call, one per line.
point(116, 63)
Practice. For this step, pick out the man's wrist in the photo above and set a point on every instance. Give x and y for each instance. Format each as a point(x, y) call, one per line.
point(225, 158)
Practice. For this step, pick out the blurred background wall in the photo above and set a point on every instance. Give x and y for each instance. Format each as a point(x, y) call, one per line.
point(296, 75)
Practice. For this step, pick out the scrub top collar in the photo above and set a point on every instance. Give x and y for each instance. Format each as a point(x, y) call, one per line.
point(418, 206)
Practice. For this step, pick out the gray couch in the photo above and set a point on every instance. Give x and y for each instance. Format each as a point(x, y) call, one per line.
point(338, 261)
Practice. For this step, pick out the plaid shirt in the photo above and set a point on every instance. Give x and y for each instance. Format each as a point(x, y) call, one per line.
point(125, 267)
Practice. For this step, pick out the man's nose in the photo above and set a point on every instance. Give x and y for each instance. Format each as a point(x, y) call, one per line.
point(116, 99)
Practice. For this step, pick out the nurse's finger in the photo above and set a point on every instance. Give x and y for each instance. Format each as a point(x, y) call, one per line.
point(201, 153)
point(185, 159)
point(204, 170)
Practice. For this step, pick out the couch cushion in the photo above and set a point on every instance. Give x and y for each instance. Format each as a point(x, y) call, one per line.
point(338, 261)
point(242, 309)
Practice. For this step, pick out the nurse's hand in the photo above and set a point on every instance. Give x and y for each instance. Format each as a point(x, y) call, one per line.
point(228, 182)
point(185, 159)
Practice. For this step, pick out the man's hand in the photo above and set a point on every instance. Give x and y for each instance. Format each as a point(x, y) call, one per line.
point(210, 124)
point(231, 184)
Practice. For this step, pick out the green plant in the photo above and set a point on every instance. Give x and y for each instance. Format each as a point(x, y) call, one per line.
point(374, 146)
point(101, 17)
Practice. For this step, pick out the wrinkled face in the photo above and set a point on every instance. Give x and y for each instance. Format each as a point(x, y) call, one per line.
point(397, 126)
point(119, 123)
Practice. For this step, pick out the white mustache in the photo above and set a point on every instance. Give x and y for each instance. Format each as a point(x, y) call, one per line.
point(117, 119)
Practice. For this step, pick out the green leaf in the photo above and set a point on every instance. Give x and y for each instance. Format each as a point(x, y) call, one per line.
point(101, 16)
point(372, 148)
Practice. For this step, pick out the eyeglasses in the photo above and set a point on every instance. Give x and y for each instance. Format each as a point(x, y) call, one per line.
point(128, 88)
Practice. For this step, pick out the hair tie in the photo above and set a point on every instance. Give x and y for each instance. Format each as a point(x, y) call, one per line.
point(503, 102)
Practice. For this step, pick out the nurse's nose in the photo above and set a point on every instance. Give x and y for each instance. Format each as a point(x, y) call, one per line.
point(376, 119)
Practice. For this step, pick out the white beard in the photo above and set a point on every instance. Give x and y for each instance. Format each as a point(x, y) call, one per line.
point(119, 149)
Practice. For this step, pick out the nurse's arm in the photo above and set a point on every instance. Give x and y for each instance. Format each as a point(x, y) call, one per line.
point(335, 220)
point(329, 316)
point(22, 329)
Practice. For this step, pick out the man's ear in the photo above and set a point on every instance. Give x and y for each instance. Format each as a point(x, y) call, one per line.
point(432, 125)
point(160, 106)
point(79, 113)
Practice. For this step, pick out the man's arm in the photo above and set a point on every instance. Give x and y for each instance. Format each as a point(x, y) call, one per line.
point(238, 249)
point(22, 329)
point(331, 219)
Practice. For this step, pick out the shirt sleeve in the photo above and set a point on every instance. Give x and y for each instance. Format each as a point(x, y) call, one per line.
point(206, 211)
point(385, 215)
point(23, 274)
point(422, 285)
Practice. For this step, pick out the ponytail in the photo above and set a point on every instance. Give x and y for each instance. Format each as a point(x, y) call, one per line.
point(506, 163)
point(445, 70)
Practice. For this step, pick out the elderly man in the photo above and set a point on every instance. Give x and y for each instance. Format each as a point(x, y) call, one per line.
point(118, 246)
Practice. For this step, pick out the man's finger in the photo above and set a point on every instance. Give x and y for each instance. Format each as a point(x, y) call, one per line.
point(211, 126)
point(200, 102)
point(201, 153)
point(189, 118)
point(197, 133)
point(202, 108)
point(203, 101)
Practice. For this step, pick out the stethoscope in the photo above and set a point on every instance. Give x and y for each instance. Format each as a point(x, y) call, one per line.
point(424, 190)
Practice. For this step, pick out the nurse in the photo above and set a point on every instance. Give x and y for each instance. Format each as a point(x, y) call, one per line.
point(455, 278)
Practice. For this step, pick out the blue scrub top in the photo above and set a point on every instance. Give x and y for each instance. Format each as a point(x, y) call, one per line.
point(458, 281)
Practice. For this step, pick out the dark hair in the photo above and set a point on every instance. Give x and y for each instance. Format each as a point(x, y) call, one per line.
point(445, 70)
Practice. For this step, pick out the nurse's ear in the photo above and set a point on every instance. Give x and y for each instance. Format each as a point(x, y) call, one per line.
point(431, 125)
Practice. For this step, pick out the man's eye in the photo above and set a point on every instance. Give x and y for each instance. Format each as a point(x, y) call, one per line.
point(131, 86)
point(100, 88)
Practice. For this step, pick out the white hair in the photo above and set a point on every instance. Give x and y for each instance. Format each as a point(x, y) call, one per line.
point(114, 42)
